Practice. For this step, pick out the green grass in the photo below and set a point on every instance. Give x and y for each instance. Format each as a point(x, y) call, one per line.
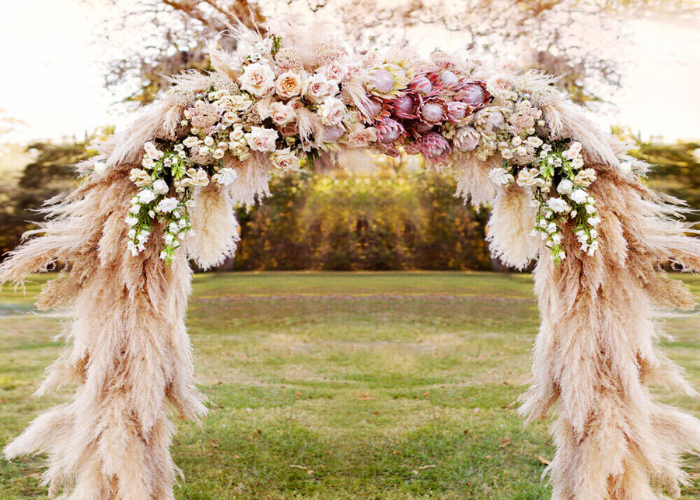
point(340, 386)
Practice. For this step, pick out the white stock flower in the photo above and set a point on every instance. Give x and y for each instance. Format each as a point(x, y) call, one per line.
point(167, 205)
point(146, 196)
point(557, 205)
point(257, 78)
point(500, 176)
point(579, 196)
point(332, 111)
point(225, 176)
point(261, 139)
point(160, 187)
point(565, 187)
point(100, 167)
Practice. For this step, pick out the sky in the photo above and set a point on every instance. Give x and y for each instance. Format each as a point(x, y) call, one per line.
point(56, 81)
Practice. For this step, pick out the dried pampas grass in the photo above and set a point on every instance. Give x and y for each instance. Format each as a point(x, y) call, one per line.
point(131, 360)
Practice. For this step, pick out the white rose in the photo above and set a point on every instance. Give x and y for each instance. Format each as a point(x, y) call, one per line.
point(208, 141)
point(167, 205)
point(577, 163)
point(332, 111)
point(237, 134)
point(282, 114)
point(218, 154)
point(557, 205)
point(146, 196)
point(258, 79)
point(565, 187)
point(191, 141)
point(261, 139)
point(579, 196)
point(160, 187)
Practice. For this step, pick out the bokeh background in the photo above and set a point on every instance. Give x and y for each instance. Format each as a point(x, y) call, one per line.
point(79, 70)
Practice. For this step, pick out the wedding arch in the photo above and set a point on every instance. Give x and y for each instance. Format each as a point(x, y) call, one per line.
point(562, 192)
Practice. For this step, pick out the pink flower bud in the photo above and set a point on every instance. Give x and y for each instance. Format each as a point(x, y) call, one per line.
point(421, 84)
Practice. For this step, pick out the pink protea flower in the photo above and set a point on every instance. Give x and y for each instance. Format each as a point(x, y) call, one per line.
point(474, 94)
point(433, 111)
point(406, 106)
point(457, 111)
point(421, 84)
point(449, 79)
point(389, 130)
point(433, 146)
point(376, 109)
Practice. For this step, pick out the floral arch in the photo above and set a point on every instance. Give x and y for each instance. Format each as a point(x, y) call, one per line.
point(562, 191)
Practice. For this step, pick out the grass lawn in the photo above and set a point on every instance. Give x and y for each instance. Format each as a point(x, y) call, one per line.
point(341, 386)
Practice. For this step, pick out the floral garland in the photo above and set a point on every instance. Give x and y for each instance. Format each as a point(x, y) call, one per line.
point(276, 106)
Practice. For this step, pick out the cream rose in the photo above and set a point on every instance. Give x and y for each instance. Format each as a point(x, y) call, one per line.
point(288, 85)
point(261, 139)
point(284, 159)
point(332, 111)
point(360, 137)
point(258, 79)
point(318, 88)
point(282, 114)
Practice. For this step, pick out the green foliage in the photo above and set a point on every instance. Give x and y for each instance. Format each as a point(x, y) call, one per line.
point(51, 173)
point(677, 169)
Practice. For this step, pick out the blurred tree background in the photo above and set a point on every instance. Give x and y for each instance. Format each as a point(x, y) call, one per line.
point(399, 216)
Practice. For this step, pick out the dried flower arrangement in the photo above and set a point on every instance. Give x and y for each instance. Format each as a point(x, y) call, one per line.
point(562, 192)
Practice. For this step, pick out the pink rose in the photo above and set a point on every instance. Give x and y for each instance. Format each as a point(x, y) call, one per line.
point(332, 111)
point(261, 139)
point(318, 88)
point(258, 79)
point(281, 114)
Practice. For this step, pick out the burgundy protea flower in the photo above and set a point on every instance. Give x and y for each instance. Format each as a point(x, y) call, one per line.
point(421, 84)
point(474, 94)
point(433, 146)
point(406, 105)
point(457, 111)
point(376, 109)
point(433, 111)
point(389, 130)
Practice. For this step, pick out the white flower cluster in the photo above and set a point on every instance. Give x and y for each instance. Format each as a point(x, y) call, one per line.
point(569, 200)
point(156, 200)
